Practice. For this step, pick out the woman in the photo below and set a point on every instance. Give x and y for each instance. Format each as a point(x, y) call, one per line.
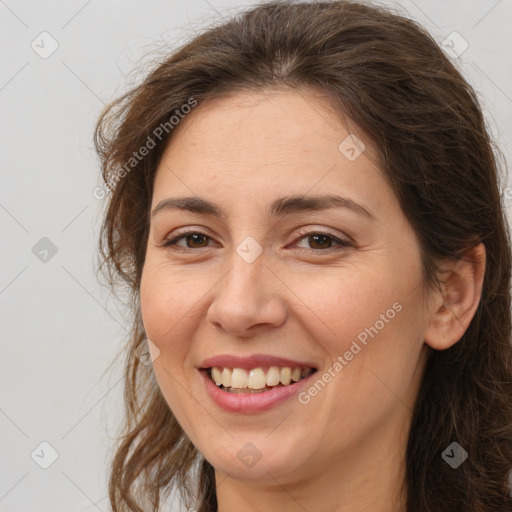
point(305, 206)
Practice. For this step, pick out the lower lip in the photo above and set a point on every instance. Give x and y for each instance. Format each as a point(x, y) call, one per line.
point(248, 403)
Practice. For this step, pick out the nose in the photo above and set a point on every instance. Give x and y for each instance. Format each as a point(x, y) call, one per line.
point(247, 300)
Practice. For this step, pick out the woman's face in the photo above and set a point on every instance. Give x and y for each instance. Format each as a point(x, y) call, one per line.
point(268, 275)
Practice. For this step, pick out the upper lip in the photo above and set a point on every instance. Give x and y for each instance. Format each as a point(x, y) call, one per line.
point(253, 361)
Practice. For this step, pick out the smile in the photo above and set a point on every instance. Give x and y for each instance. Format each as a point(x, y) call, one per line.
point(255, 383)
point(256, 380)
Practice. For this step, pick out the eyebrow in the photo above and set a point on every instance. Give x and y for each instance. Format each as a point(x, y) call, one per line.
point(279, 207)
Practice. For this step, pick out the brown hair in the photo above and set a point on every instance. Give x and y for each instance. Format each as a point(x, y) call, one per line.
point(387, 75)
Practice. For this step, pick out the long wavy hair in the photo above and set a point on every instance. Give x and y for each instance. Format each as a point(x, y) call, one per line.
point(387, 75)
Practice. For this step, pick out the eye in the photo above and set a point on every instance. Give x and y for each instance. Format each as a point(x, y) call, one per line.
point(196, 237)
point(322, 240)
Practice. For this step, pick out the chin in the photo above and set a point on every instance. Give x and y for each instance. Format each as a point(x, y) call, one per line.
point(258, 461)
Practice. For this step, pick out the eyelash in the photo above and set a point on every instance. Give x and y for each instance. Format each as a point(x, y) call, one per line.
point(342, 244)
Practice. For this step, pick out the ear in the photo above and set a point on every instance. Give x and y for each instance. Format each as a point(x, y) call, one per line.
point(456, 303)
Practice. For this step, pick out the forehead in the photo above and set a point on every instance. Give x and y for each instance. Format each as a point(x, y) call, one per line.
point(298, 120)
point(257, 142)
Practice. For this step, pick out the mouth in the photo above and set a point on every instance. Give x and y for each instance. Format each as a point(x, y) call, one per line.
point(253, 384)
point(256, 380)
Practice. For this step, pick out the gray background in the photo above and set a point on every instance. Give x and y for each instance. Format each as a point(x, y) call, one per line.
point(60, 328)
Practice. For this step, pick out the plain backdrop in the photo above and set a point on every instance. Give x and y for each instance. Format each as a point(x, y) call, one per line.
point(60, 62)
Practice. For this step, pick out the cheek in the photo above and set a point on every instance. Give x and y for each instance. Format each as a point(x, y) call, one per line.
point(374, 357)
point(370, 327)
point(353, 304)
point(164, 303)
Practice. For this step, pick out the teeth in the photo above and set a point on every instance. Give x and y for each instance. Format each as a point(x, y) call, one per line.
point(241, 380)
point(226, 377)
point(273, 376)
point(217, 376)
point(257, 379)
point(286, 376)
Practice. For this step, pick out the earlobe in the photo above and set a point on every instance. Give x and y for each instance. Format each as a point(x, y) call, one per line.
point(457, 301)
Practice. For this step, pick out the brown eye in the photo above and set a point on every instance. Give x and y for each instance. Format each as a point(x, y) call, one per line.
point(318, 241)
point(198, 240)
point(324, 241)
point(193, 240)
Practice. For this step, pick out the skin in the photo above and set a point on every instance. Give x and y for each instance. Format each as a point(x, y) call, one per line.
point(344, 449)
